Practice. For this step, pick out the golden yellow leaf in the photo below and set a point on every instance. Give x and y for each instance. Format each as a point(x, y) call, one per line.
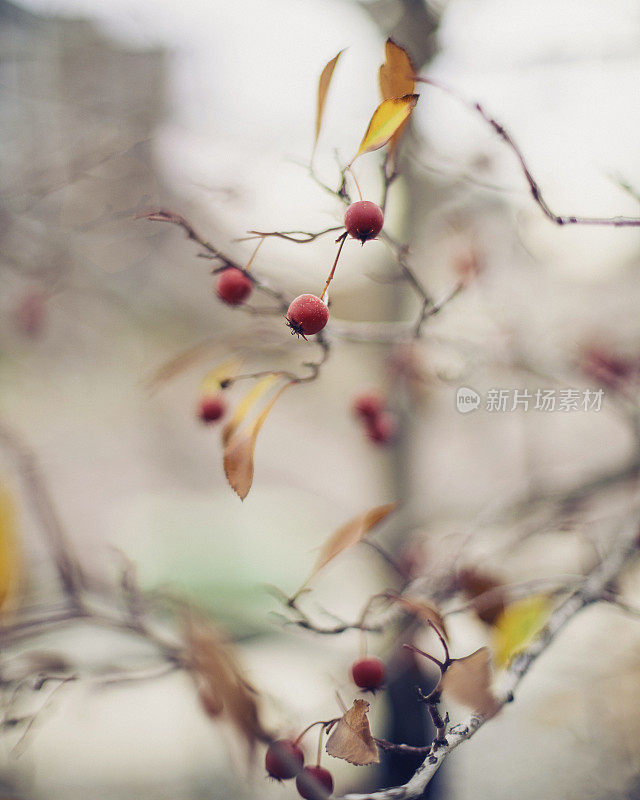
point(351, 738)
point(468, 682)
point(211, 383)
point(386, 120)
point(9, 550)
point(396, 80)
point(246, 404)
point(239, 452)
point(349, 534)
point(323, 89)
point(517, 626)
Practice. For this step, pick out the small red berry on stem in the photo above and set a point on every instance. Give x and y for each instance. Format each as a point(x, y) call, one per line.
point(382, 428)
point(233, 286)
point(284, 759)
point(212, 408)
point(307, 315)
point(363, 220)
point(314, 783)
point(368, 673)
point(368, 405)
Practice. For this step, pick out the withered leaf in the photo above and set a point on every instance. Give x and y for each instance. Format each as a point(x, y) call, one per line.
point(239, 451)
point(351, 738)
point(323, 88)
point(475, 584)
point(9, 550)
point(223, 688)
point(396, 80)
point(246, 404)
point(349, 534)
point(468, 681)
point(386, 120)
point(423, 611)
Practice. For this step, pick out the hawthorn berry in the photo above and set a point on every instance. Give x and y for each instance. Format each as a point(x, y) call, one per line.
point(363, 220)
point(368, 405)
point(368, 673)
point(314, 783)
point(233, 286)
point(212, 408)
point(284, 759)
point(307, 314)
point(382, 428)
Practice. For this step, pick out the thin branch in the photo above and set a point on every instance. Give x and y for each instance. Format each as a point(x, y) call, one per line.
point(534, 187)
point(291, 235)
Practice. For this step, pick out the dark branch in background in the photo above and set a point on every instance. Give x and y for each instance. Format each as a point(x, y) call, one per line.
point(536, 192)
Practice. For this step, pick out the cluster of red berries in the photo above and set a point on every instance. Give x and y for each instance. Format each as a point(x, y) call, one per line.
point(285, 760)
point(307, 314)
point(379, 423)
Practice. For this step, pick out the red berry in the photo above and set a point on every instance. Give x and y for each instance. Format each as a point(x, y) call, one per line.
point(212, 408)
point(307, 314)
point(368, 673)
point(368, 405)
point(381, 429)
point(233, 286)
point(363, 220)
point(314, 783)
point(284, 759)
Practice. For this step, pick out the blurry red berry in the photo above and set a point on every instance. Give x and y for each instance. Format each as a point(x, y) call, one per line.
point(233, 286)
point(607, 367)
point(314, 783)
point(382, 428)
point(284, 759)
point(307, 314)
point(30, 314)
point(363, 220)
point(368, 405)
point(368, 673)
point(212, 408)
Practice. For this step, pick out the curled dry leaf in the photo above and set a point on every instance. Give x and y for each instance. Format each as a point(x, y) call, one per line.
point(351, 738)
point(246, 404)
point(222, 687)
point(517, 626)
point(323, 89)
point(386, 120)
point(9, 550)
point(349, 534)
point(239, 451)
point(396, 80)
point(423, 611)
point(485, 592)
point(468, 681)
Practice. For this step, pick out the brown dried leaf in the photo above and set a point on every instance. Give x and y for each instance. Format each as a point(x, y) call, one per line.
point(323, 89)
point(396, 80)
point(425, 612)
point(246, 404)
point(475, 584)
point(239, 452)
point(351, 739)
point(468, 681)
point(348, 535)
point(386, 120)
point(223, 688)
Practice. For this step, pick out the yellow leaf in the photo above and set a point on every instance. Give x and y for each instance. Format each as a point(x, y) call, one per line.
point(396, 80)
point(468, 682)
point(351, 739)
point(386, 120)
point(323, 89)
point(211, 383)
point(517, 626)
point(349, 534)
point(9, 551)
point(396, 74)
point(246, 404)
point(239, 452)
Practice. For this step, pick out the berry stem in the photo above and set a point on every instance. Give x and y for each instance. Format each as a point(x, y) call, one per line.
point(320, 746)
point(255, 253)
point(342, 239)
point(355, 180)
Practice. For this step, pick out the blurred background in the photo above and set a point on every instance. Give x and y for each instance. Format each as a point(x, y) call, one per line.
point(208, 108)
